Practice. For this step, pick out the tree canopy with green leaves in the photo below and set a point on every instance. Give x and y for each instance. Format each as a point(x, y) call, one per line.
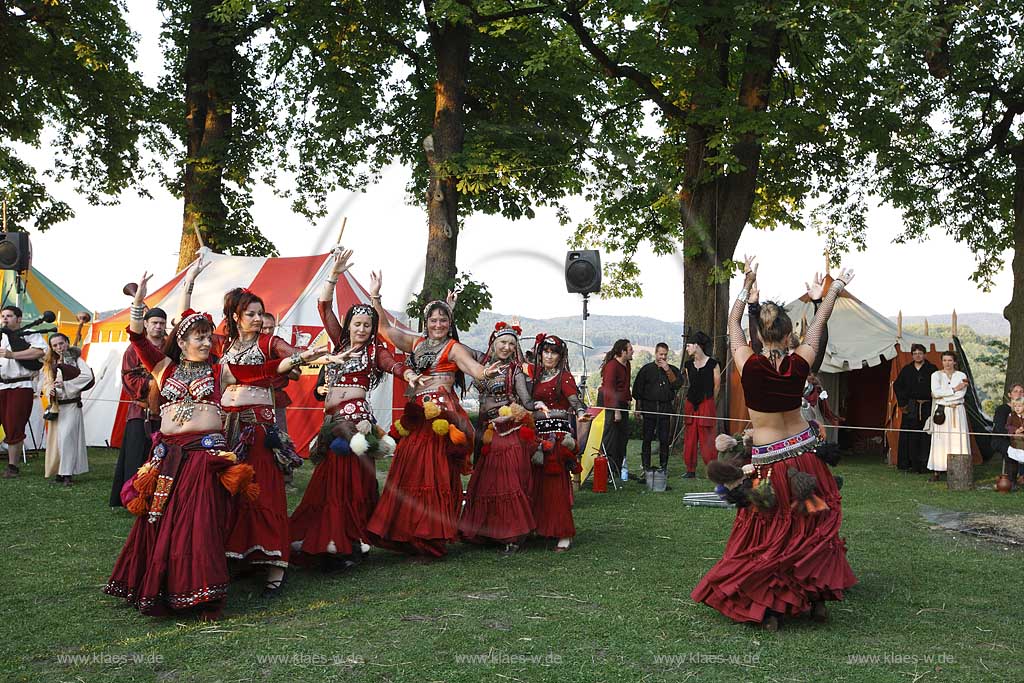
point(264, 90)
point(719, 115)
point(66, 83)
point(948, 134)
point(494, 116)
point(485, 104)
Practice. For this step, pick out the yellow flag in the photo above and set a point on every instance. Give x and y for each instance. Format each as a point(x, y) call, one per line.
point(593, 445)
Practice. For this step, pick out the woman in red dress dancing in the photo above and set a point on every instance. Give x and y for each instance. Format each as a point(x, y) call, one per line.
point(418, 510)
point(784, 556)
point(258, 529)
point(556, 403)
point(173, 560)
point(330, 522)
point(498, 506)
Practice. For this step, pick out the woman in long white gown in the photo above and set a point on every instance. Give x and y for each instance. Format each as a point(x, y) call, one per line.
point(949, 386)
point(66, 377)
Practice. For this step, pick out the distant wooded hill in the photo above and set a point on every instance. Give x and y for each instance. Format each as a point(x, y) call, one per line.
point(977, 331)
point(602, 332)
point(989, 324)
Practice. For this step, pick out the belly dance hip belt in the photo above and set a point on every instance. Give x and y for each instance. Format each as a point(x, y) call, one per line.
point(440, 396)
point(355, 409)
point(166, 460)
point(554, 425)
point(240, 427)
point(783, 449)
point(237, 418)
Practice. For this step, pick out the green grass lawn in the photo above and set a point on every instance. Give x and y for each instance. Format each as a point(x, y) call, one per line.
point(615, 608)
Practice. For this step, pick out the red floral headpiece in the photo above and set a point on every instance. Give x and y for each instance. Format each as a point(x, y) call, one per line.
point(543, 338)
point(188, 319)
point(502, 327)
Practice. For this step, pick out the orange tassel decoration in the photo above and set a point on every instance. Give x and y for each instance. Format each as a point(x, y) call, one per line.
point(457, 436)
point(810, 506)
point(145, 482)
point(488, 435)
point(137, 506)
point(252, 492)
point(237, 477)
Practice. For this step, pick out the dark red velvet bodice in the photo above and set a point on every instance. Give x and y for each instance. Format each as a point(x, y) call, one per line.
point(555, 391)
point(768, 390)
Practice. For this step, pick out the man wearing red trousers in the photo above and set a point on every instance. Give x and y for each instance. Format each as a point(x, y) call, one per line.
point(16, 393)
point(701, 424)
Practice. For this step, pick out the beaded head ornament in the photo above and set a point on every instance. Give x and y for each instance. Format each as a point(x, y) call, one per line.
point(437, 303)
point(188, 319)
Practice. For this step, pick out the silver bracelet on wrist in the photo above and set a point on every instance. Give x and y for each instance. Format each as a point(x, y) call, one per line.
point(296, 359)
point(743, 295)
point(137, 311)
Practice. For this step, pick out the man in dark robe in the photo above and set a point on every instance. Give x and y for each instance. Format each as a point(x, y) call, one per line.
point(913, 389)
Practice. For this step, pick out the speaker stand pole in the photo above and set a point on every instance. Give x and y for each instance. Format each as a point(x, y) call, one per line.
point(583, 347)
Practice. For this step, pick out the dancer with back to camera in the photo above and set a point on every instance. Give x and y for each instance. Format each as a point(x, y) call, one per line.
point(784, 556)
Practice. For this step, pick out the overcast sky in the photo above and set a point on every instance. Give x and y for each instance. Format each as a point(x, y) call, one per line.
point(96, 253)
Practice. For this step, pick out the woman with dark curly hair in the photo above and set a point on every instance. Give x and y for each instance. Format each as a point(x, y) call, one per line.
point(259, 532)
point(330, 522)
point(557, 411)
point(173, 560)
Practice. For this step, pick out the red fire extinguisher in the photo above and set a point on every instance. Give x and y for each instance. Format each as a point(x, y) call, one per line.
point(600, 473)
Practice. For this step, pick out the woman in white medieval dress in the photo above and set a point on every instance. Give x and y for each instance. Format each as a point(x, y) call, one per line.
point(950, 432)
point(66, 377)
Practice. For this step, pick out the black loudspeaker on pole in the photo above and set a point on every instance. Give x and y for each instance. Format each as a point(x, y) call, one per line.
point(15, 251)
point(583, 271)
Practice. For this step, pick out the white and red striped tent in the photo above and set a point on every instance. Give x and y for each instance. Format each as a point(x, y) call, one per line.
point(288, 286)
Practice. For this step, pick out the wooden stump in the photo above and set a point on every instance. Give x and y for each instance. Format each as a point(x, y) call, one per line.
point(960, 476)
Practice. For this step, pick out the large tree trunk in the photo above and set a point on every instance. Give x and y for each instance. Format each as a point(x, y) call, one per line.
point(714, 213)
point(451, 50)
point(208, 64)
point(1014, 312)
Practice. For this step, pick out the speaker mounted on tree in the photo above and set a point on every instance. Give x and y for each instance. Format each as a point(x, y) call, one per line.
point(15, 251)
point(583, 271)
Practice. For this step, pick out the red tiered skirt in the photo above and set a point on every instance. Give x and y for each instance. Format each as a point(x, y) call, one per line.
point(417, 511)
point(552, 495)
point(258, 529)
point(337, 505)
point(781, 560)
point(498, 505)
point(177, 563)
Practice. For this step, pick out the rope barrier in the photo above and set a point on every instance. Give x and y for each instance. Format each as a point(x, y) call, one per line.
point(642, 412)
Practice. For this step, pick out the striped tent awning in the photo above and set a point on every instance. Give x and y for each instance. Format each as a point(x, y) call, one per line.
point(42, 294)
